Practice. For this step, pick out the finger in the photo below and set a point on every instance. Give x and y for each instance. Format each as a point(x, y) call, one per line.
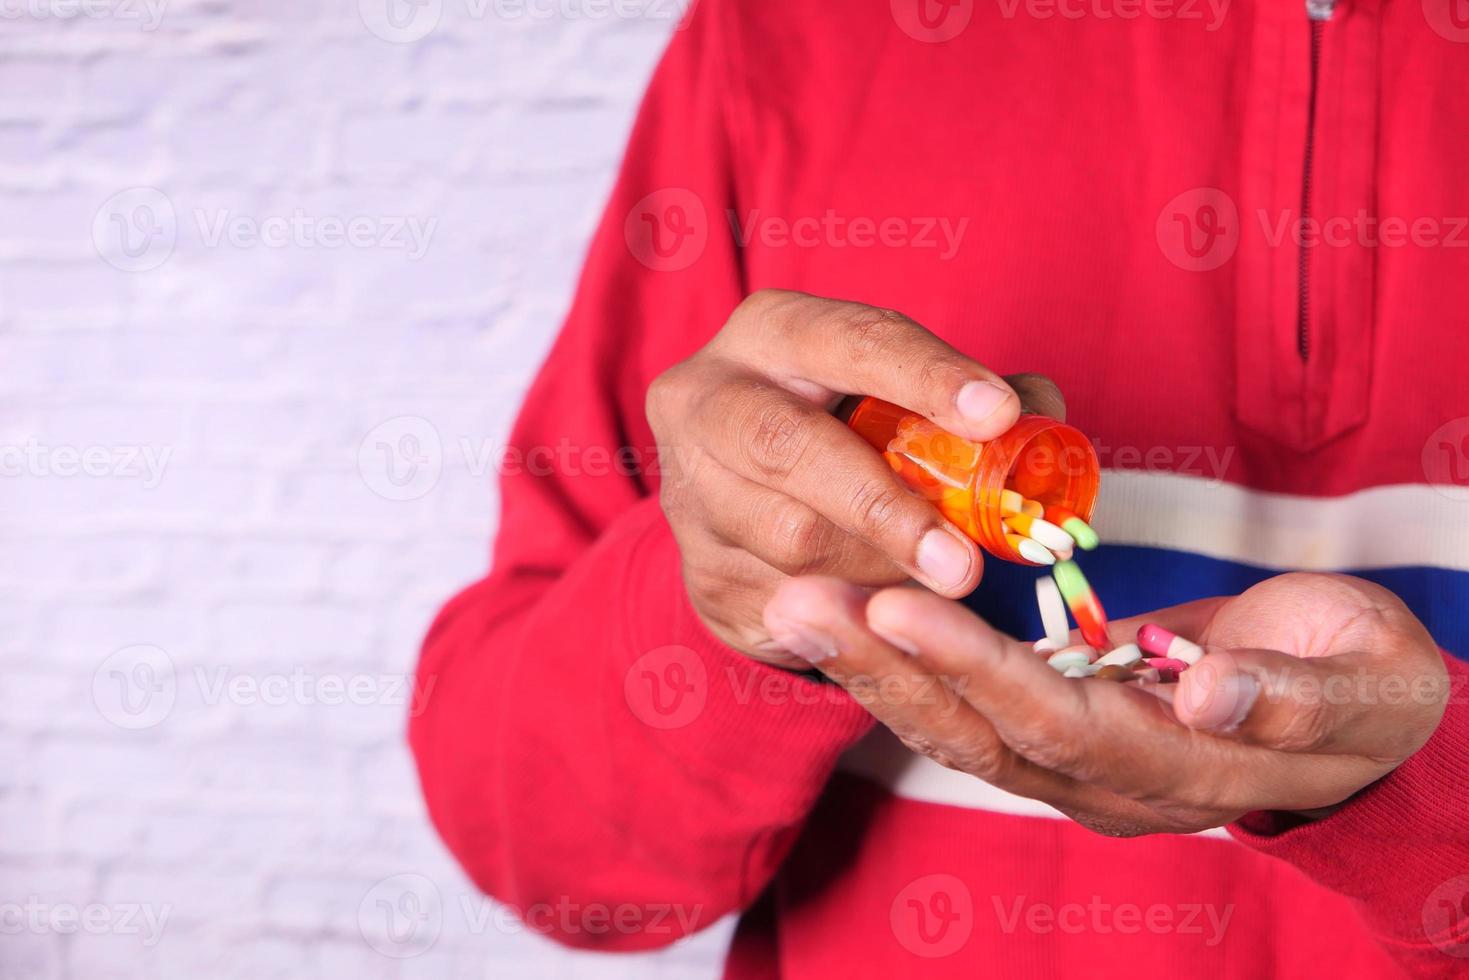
point(851, 347)
point(823, 619)
point(1091, 732)
point(788, 535)
point(1348, 704)
point(1039, 394)
point(788, 445)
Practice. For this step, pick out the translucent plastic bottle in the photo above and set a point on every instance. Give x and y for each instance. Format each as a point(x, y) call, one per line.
point(1040, 458)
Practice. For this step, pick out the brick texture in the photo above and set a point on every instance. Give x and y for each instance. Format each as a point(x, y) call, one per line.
point(273, 277)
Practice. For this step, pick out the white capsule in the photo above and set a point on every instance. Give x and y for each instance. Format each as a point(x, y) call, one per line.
point(1032, 550)
point(1053, 612)
point(1124, 656)
point(1044, 645)
point(1070, 657)
point(1090, 670)
point(1051, 536)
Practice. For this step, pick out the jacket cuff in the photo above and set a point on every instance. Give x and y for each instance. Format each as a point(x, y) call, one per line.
point(1399, 846)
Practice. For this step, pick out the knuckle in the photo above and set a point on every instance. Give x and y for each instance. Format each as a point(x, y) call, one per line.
point(869, 333)
point(803, 541)
point(665, 392)
point(779, 435)
point(877, 506)
point(1307, 727)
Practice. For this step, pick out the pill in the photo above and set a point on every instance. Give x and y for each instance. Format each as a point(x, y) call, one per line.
point(1043, 531)
point(1146, 674)
point(1070, 657)
point(1011, 502)
point(1159, 642)
point(1090, 670)
point(1044, 645)
point(1083, 603)
point(1030, 549)
point(1113, 672)
point(1053, 612)
point(1090, 651)
point(1074, 526)
point(1124, 656)
point(1166, 663)
point(1032, 508)
point(1168, 669)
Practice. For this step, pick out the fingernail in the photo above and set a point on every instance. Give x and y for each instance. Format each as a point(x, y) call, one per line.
point(943, 559)
point(1223, 706)
point(978, 400)
point(811, 645)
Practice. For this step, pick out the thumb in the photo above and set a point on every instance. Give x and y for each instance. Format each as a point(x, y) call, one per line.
point(1290, 704)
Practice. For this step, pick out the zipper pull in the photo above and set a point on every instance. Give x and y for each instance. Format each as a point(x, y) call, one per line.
point(1320, 10)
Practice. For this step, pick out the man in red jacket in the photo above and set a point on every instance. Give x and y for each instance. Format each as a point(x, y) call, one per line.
point(698, 681)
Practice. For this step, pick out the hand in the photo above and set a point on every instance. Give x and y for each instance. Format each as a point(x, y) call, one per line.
point(761, 482)
point(1313, 687)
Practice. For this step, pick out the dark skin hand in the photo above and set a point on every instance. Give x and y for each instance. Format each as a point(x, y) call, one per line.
point(761, 482)
point(1313, 687)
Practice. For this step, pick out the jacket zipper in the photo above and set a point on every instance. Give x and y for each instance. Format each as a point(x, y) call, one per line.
point(1318, 12)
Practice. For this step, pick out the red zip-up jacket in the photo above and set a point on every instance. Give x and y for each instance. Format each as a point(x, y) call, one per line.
point(1234, 235)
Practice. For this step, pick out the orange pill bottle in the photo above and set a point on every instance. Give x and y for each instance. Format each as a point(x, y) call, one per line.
point(1039, 458)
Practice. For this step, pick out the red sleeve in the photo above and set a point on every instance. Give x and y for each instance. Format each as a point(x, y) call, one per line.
point(589, 752)
point(1400, 848)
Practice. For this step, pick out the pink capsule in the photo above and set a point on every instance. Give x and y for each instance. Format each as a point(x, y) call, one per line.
point(1159, 642)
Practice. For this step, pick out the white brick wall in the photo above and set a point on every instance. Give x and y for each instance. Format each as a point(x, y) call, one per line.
point(202, 547)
